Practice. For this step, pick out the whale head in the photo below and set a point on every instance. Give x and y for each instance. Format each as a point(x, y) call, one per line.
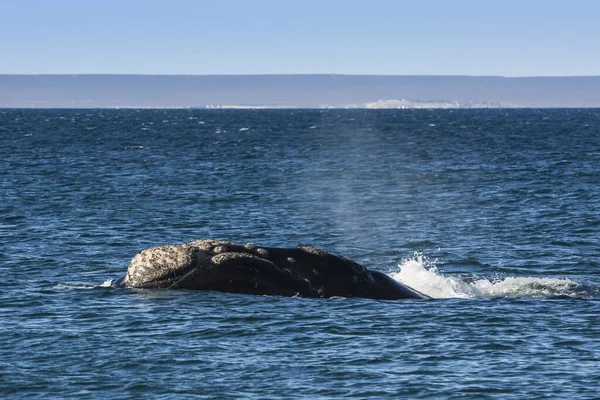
point(163, 266)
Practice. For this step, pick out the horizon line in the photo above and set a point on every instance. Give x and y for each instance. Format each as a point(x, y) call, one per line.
point(300, 74)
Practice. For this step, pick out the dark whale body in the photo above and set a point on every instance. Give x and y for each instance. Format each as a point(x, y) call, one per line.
point(305, 271)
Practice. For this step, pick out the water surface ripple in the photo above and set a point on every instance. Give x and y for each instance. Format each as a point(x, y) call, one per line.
point(493, 212)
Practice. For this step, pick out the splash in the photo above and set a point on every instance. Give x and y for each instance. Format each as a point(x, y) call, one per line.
point(421, 274)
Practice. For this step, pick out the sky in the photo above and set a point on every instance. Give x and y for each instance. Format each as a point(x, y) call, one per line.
point(382, 37)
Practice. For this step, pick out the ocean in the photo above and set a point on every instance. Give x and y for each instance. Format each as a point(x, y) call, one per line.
point(493, 213)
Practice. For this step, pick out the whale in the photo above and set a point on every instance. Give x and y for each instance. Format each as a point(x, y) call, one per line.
point(231, 267)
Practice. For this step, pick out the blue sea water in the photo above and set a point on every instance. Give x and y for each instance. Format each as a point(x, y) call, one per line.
point(494, 213)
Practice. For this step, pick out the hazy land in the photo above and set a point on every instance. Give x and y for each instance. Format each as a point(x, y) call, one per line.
point(295, 91)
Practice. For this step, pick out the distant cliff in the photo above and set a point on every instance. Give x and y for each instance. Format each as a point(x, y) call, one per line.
point(309, 91)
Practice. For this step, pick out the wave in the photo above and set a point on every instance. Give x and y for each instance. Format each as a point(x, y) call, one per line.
point(421, 274)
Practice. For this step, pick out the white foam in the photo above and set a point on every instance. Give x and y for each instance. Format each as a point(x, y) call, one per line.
point(66, 286)
point(107, 283)
point(421, 274)
point(62, 286)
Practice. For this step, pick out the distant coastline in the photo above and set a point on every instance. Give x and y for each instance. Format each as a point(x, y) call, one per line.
point(296, 91)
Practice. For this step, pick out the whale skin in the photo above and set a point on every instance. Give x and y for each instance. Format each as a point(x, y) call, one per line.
point(217, 265)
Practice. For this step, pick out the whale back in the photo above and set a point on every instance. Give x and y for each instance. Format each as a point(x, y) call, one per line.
point(305, 271)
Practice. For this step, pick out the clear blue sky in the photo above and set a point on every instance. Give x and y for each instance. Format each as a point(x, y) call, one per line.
point(394, 37)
